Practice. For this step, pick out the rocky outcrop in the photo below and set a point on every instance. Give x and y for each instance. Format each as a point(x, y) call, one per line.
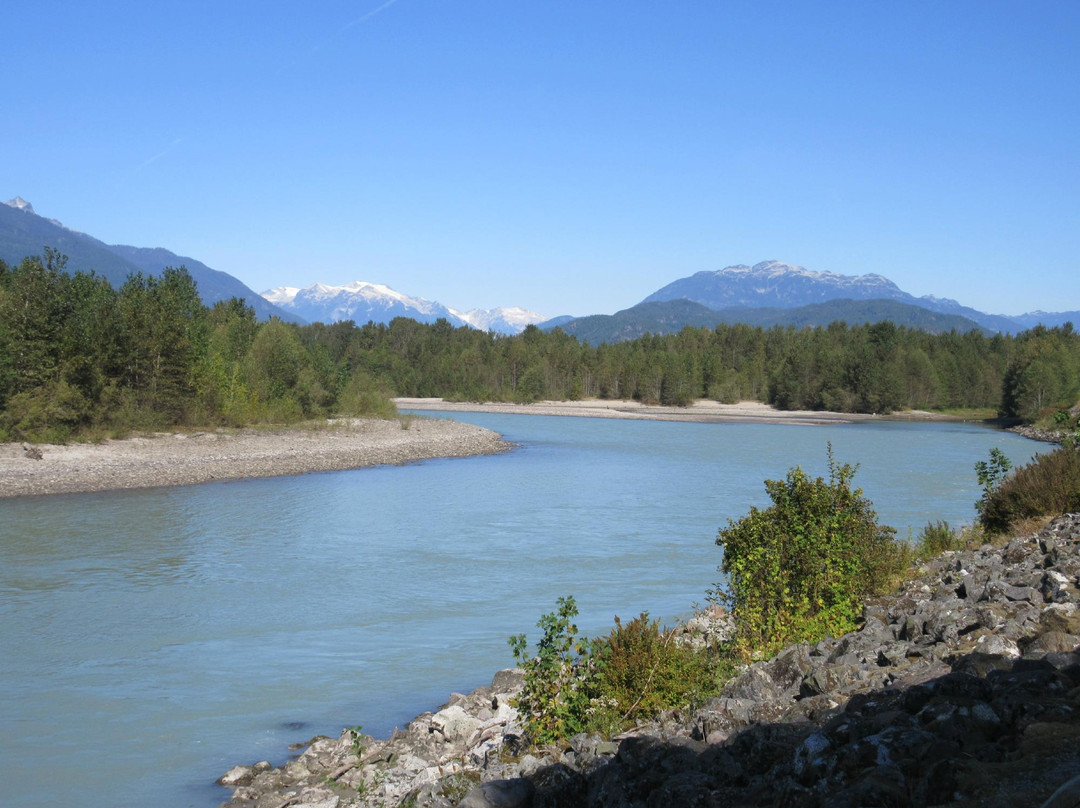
point(962, 688)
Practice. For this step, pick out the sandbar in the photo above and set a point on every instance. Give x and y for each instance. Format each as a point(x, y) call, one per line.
point(702, 411)
point(191, 458)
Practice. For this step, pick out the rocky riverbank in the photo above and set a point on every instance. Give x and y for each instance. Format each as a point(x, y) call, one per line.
point(1044, 435)
point(961, 689)
point(191, 458)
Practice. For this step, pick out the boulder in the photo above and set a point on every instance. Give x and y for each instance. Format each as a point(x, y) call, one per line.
point(454, 724)
point(517, 793)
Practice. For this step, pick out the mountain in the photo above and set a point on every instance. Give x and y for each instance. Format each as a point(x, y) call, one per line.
point(785, 286)
point(503, 320)
point(1049, 319)
point(671, 316)
point(774, 283)
point(358, 301)
point(361, 302)
point(556, 322)
point(214, 285)
point(23, 233)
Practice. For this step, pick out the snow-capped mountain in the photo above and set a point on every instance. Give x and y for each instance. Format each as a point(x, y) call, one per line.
point(787, 286)
point(20, 204)
point(361, 302)
point(774, 283)
point(503, 320)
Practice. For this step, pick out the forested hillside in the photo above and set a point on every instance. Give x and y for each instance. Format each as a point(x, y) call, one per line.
point(78, 357)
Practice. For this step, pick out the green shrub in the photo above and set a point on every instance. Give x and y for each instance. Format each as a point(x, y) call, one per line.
point(1047, 486)
point(990, 474)
point(555, 696)
point(46, 414)
point(576, 685)
point(642, 670)
point(364, 397)
point(935, 539)
point(799, 569)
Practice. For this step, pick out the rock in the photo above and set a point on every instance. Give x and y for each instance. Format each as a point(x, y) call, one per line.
point(1051, 642)
point(1068, 796)
point(237, 776)
point(997, 645)
point(1061, 617)
point(454, 724)
point(516, 793)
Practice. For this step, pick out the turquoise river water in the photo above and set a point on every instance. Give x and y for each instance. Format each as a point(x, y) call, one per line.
point(149, 640)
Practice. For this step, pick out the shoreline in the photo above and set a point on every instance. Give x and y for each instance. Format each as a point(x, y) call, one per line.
point(169, 459)
point(701, 411)
point(982, 668)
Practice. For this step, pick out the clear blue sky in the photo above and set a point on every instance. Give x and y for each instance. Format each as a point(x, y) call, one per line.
point(569, 157)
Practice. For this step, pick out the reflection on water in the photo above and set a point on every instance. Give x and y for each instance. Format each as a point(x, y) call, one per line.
point(151, 639)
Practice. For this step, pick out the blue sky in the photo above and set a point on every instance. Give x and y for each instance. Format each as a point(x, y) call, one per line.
point(569, 157)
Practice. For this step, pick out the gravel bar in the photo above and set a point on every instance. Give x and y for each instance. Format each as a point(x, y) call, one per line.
point(191, 458)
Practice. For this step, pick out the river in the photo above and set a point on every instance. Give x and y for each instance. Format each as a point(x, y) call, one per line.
point(151, 639)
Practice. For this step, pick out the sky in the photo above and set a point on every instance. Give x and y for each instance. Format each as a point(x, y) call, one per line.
point(567, 157)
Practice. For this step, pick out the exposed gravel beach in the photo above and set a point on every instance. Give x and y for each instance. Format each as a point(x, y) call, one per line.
point(187, 459)
point(700, 411)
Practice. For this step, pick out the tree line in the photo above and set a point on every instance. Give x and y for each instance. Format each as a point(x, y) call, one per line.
point(875, 368)
point(80, 357)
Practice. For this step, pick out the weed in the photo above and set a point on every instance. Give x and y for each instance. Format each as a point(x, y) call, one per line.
point(356, 738)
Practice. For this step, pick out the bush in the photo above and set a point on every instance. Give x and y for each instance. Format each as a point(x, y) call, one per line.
point(799, 569)
point(46, 414)
point(935, 539)
point(577, 685)
point(642, 670)
point(362, 396)
point(990, 474)
point(555, 697)
point(1047, 486)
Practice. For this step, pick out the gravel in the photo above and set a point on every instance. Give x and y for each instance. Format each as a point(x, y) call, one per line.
point(191, 458)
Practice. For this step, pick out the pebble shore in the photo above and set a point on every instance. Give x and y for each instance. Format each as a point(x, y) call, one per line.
point(190, 458)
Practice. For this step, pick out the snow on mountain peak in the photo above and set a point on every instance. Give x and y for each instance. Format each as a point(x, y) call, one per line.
point(778, 269)
point(505, 320)
point(280, 295)
point(362, 301)
point(20, 204)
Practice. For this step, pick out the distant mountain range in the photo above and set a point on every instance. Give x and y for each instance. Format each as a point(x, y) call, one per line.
point(671, 316)
point(774, 293)
point(786, 286)
point(361, 302)
point(766, 294)
point(23, 233)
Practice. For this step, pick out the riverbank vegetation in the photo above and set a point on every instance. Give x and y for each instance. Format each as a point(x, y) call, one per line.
point(81, 359)
point(794, 572)
point(797, 571)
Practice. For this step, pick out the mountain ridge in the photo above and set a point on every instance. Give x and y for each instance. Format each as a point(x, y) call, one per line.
point(24, 232)
point(362, 301)
point(760, 293)
point(671, 316)
point(781, 285)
